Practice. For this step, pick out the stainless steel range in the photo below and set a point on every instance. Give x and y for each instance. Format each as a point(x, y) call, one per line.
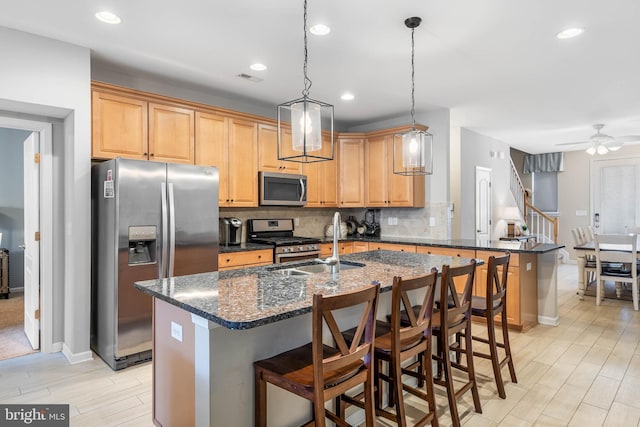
point(279, 234)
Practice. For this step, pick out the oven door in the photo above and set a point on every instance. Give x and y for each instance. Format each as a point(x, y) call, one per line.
point(298, 256)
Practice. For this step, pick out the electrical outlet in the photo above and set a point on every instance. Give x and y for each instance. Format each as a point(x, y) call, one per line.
point(432, 222)
point(390, 221)
point(529, 266)
point(176, 331)
point(395, 220)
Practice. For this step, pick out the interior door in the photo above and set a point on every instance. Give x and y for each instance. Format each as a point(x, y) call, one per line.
point(616, 195)
point(483, 203)
point(32, 241)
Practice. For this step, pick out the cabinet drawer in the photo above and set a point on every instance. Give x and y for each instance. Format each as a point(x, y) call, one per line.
point(452, 252)
point(360, 247)
point(245, 258)
point(391, 247)
point(326, 249)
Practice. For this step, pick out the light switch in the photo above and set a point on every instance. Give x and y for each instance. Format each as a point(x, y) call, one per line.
point(528, 266)
point(432, 222)
point(581, 213)
point(176, 331)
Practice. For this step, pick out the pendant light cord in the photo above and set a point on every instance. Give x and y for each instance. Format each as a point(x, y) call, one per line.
point(413, 85)
point(307, 80)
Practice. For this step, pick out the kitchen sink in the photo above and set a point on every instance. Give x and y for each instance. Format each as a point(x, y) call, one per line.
point(303, 270)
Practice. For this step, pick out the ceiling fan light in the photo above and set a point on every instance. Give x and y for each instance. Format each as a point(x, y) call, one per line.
point(602, 150)
point(615, 146)
point(591, 150)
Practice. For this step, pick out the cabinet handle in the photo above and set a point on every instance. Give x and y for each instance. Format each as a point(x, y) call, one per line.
point(228, 260)
point(144, 154)
point(151, 155)
point(259, 256)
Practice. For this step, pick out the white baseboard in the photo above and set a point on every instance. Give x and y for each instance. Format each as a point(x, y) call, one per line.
point(74, 358)
point(55, 347)
point(549, 321)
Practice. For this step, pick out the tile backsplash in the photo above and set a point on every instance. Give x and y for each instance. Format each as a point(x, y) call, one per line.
point(431, 222)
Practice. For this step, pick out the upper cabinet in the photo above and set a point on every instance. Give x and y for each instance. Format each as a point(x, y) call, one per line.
point(268, 151)
point(171, 134)
point(119, 126)
point(322, 178)
point(383, 187)
point(231, 145)
point(351, 187)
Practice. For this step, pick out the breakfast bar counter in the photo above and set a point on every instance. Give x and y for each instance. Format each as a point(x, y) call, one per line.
point(210, 327)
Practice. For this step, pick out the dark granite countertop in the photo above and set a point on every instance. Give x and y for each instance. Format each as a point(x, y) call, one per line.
point(247, 246)
point(252, 297)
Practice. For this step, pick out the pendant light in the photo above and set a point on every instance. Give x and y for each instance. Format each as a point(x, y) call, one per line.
point(306, 117)
point(416, 145)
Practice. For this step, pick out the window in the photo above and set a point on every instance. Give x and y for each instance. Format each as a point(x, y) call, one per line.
point(545, 191)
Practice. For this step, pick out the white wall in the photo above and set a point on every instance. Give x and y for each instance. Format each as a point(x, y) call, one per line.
point(51, 79)
point(475, 150)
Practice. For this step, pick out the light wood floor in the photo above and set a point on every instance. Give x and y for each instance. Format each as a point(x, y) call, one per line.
point(585, 372)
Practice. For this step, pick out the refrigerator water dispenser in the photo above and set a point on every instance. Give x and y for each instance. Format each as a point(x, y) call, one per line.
point(142, 244)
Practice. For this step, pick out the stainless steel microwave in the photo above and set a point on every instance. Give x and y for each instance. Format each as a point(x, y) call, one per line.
point(282, 189)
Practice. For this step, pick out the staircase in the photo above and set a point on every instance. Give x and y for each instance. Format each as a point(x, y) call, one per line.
point(541, 225)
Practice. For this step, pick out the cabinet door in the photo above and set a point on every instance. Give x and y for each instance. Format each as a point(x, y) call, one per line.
point(351, 172)
point(268, 151)
point(399, 187)
point(212, 136)
point(360, 247)
point(376, 174)
point(328, 175)
point(119, 127)
point(313, 171)
point(513, 296)
point(171, 134)
point(243, 163)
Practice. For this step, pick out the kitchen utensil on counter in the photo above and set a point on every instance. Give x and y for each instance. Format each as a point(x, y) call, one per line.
point(328, 230)
point(230, 231)
point(352, 225)
point(372, 227)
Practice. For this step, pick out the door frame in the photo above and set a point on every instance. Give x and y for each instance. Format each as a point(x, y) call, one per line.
point(489, 202)
point(45, 130)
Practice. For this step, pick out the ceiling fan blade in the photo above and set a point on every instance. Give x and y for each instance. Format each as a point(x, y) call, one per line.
point(575, 143)
point(628, 138)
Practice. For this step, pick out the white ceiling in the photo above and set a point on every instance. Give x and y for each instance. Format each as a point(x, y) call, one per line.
point(496, 64)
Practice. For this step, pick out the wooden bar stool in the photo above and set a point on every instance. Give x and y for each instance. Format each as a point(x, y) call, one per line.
point(454, 317)
point(396, 343)
point(319, 372)
point(494, 303)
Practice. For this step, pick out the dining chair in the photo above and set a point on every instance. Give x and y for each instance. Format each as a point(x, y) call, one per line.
point(454, 317)
point(620, 251)
point(589, 271)
point(319, 372)
point(403, 347)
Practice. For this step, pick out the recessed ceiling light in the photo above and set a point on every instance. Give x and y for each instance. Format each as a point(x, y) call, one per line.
point(570, 33)
point(320, 30)
point(258, 67)
point(108, 17)
point(347, 96)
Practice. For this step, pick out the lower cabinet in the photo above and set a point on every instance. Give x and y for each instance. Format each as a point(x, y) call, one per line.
point(233, 260)
point(391, 247)
point(326, 249)
point(360, 247)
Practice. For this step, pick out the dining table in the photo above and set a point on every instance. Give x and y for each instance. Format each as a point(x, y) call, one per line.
point(588, 249)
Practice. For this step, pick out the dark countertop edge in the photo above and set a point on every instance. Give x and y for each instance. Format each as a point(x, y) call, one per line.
point(493, 245)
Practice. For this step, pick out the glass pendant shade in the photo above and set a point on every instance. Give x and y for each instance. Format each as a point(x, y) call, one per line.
point(416, 149)
point(305, 127)
point(306, 117)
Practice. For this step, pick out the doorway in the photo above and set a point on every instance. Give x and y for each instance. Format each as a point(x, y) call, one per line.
point(483, 203)
point(615, 191)
point(37, 277)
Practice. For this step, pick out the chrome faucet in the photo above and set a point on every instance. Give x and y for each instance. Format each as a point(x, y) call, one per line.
point(334, 259)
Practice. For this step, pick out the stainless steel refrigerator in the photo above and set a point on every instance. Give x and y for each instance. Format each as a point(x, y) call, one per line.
point(150, 220)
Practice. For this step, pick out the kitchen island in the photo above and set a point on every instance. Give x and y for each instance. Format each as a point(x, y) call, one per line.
point(209, 328)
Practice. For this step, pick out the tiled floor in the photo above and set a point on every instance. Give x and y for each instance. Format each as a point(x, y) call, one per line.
point(585, 372)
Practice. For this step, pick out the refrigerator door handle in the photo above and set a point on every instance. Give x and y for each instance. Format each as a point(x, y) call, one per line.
point(172, 230)
point(162, 269)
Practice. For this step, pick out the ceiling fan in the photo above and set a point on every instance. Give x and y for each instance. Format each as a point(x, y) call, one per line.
point(602, 143)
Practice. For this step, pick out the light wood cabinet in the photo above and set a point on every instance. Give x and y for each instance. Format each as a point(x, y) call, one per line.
point(171, 134)
point(360, 247)
point(383, 187)
point(351, 190)
point(119, 126)
point(128, 126)
point(391, 247)
point(326, 249)
point(268, 151)
point(234, 260)
point(231, 145)
point(322, 179)
point(452, 252)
